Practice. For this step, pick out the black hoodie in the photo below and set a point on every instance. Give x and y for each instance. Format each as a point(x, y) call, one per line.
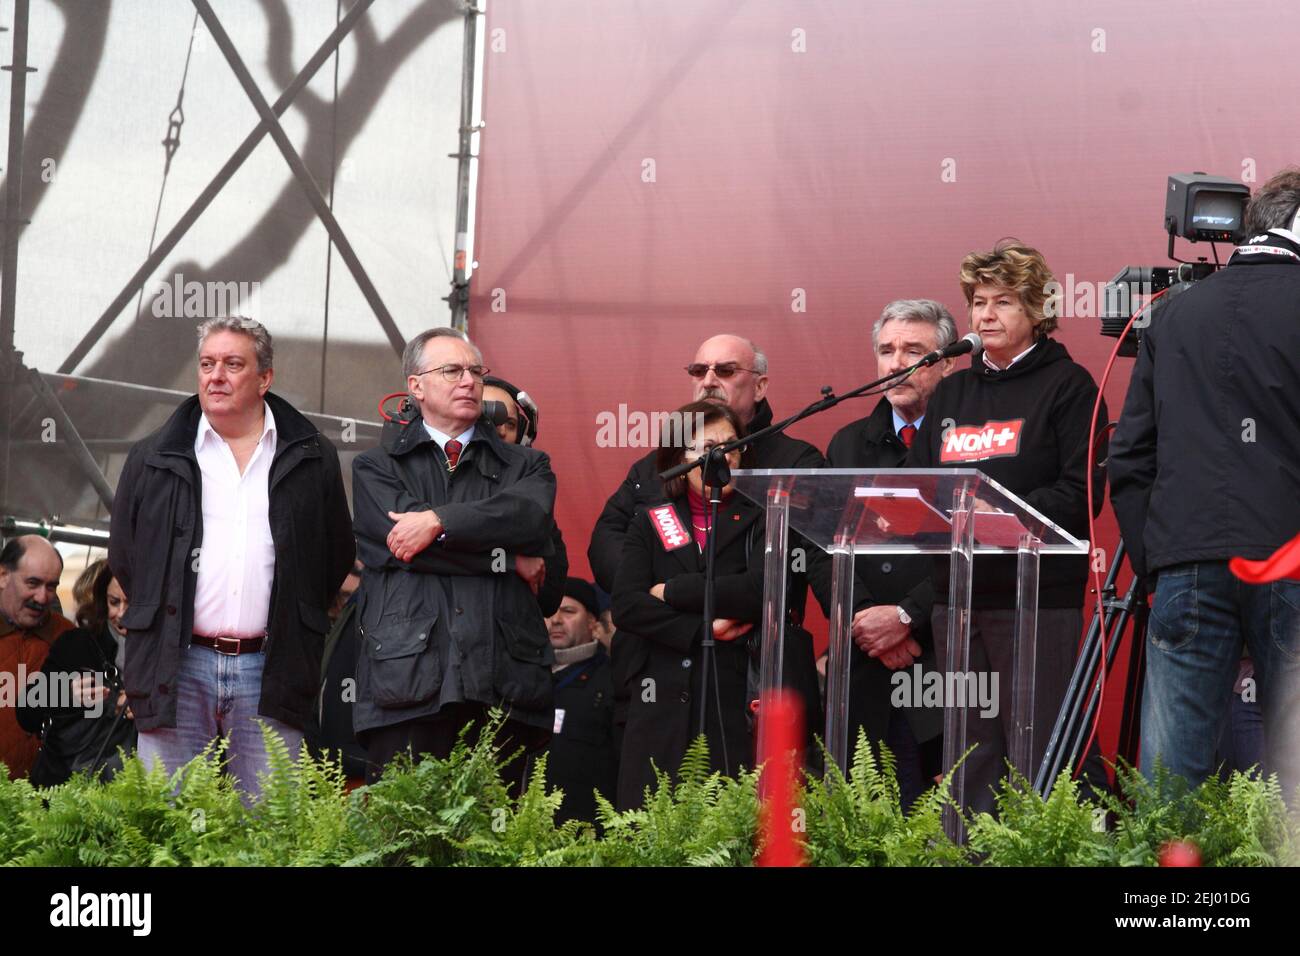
point(1205, 464)
point(1039, 410)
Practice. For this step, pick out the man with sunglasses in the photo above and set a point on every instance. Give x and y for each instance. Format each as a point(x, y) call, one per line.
point(727, 370)
point(445, 515)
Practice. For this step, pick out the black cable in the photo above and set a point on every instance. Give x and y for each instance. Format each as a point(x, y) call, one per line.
point(171, 143)
point(114, 687)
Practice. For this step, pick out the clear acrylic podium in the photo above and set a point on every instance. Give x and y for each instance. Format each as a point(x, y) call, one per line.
point(955, 511)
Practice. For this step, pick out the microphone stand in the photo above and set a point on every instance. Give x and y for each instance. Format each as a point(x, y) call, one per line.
point(715, 475)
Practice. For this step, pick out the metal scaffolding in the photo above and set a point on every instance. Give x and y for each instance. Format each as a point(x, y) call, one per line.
point(16, 379)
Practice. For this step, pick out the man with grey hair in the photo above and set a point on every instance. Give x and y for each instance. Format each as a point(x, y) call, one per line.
point(893, 597)
point(453, 525)
point(1204, 467)
point(230, 536)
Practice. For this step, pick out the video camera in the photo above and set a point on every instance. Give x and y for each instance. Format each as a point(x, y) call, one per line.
point(1199, 208)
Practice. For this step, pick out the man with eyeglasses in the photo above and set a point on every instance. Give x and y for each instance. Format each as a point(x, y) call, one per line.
point(452, 524)
point(728, 370)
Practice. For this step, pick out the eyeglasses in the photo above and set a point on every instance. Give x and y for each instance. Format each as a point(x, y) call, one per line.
point(453, 373)
point(693, 452)
point(720, 369)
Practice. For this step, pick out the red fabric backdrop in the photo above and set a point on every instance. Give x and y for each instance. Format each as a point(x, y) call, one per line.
point(652, 174)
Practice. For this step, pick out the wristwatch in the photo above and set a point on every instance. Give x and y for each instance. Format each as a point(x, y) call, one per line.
point(904, 617)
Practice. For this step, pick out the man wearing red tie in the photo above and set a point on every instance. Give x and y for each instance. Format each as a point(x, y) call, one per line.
point(892, 597)
point(452, 525)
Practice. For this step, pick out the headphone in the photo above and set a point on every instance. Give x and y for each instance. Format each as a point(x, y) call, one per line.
point(528, 414)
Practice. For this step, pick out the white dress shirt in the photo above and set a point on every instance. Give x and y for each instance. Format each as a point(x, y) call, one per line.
point(990, 364)
point(237, 559)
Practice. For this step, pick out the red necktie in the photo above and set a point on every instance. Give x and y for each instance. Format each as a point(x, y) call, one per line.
point(906, 434)
point(452, 448)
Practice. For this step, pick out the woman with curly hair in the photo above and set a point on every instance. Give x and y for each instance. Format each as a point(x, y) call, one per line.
point(1025, 389)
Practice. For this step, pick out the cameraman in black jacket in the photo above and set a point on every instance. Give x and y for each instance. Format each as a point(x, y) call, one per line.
point(1205, 465)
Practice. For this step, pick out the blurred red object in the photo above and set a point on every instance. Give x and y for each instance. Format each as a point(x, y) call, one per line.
point(1180, 853)
point(1282, 563)
point(780, 717)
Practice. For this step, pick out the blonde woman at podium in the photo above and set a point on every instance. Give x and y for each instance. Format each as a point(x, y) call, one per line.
point(1031, 405)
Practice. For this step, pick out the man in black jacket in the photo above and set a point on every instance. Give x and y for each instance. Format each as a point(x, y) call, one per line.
point(1204, 466)
point(583, 754)
point(453, 526)
point(230, 536)
point(893, 597)
point(732, 371)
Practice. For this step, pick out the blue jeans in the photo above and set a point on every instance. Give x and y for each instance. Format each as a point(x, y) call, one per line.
point(1201, 614)
point(216, 696)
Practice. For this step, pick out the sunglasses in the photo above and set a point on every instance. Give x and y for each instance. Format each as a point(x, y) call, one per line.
point(720, 369)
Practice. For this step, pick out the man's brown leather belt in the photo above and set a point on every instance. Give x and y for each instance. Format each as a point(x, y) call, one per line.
point(230, 645)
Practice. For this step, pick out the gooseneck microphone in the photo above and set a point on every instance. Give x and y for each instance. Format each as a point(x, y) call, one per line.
point(971, 343)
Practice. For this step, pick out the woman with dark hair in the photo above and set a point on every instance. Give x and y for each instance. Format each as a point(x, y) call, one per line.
point(1035, 403)
point(86, 732)
point(658, 606)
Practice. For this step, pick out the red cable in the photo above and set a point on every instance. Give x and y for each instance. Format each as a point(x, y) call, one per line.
point(1092, 526)
point(383, 414)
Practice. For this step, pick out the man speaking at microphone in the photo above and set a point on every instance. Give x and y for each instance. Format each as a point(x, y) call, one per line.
point(893, 596)
point(1205, 466)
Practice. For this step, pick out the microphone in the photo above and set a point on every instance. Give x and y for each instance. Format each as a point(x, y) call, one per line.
point(493, 413)
point(971, 343)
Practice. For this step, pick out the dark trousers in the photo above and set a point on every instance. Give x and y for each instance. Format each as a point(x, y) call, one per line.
point(991, 636)
point(436, 736)
point(907, 758)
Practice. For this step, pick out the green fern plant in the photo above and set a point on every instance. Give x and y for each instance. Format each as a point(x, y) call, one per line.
point(302, 816)
point(1150, 813)
point(1030, 831)
point(19, 805)
point(136, 819)
point(1244, 822)
point(1241, 821)
point(859, 821)
point(526, 835)
point(704, 819)
point(430, 812)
